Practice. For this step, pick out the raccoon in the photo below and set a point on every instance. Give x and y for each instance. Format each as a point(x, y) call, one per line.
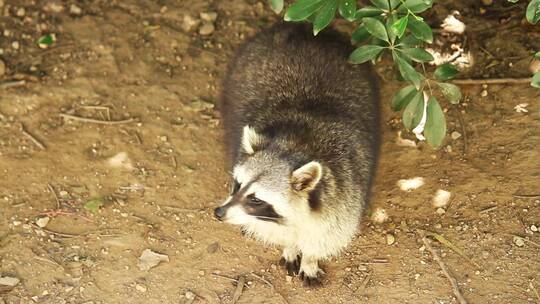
point(301, 131)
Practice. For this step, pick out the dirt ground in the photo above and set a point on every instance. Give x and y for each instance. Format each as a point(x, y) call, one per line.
point(160, 172)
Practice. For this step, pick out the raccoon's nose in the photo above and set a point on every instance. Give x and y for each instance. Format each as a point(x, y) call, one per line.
point(219, 213)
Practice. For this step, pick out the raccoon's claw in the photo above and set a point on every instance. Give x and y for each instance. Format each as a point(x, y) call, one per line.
point(310, 281)
point(292, 267)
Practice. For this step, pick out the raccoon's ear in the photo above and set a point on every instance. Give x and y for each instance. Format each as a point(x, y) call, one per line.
point(306, 177)
point(251, 140)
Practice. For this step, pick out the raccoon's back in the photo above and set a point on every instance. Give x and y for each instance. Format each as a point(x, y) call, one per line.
point(284, 78)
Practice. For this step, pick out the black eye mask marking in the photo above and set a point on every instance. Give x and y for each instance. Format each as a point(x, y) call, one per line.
point(260, 209)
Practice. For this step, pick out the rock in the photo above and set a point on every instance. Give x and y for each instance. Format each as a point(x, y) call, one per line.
point(390, 239)
point(20, 12)
point(209, 16)
point(140, 288)
point(75, 10)
point(206, 29)
point(2, 68)
point(9, 281)
point(484, 93)
point(15, 45)
point(43, 221)
point(379, 216)
point(189, 23)
point(120, 160)
point(519, 241)
point(212, 248)
point(189, 295)
point(150, 259)
point(534, 228)
point(440, 211)
point(200, 105)
point(410, 184)
point(441, 198)
point(455, 135)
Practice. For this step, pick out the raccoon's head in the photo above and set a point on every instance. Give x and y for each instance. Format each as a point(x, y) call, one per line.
point(267, 187)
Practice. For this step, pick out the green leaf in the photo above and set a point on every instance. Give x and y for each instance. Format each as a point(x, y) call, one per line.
point(46, 40)
point(410, 41)
point(407, 71)
point(324, 16)
point(445, 71)
point(94, 204)
point(403, 97)
point(360, 34)
point(302, 9)
point(368, 11)
point(276, 5)
point(420, 30)
point(416, 6)
point(536, 80)
point(513, 1)
point(347, 9)
point(450, 92)
point(533, 11)
point(435, 128)
point(375, 28)
point(537, 55)
point(417, 54)
point(382, 4)
point(399, 26)
point(388, 24)
point(365, 53)
point(412, 109)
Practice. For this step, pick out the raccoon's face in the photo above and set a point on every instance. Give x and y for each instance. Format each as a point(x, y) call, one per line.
point(266, 188)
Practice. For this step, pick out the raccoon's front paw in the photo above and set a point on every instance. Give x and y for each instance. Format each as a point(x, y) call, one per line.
point(310, 281)
point(293, 267)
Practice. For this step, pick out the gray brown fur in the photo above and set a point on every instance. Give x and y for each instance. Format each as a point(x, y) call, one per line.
point(286, 83)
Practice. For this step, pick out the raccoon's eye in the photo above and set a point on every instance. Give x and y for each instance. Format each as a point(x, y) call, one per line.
point(235, 187)
point(255, 201)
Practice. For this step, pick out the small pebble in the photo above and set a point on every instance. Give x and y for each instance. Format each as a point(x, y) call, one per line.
point(21, 12)
point(484, 93)
point(75, 10)
point(140, 288)
point(189, 23)
point(440, 211)
point(43, 221)
point(534, 228)
point(455, 135)
point(209, 16)
point(15, 45)
point(189, 295)
point(390, 239)
point(206, 29)
point(519, 241)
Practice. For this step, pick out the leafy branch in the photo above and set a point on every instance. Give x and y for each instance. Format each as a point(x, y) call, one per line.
point(394, 27)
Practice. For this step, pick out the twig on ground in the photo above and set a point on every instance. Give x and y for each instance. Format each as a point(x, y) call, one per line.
point(449, 244)
point(526, 195)
point(55, 213)
point(32, 138)
point(55, 195)
point(524, 239)
point(261, 278)
point(47, 261)
point(488, 209)
point(62, 234)
point(229, 278)
point(173, 161)
point(463, 130)
point(97, 121)
point(12, 84)
point(453, 282)
point(239, 288)
point(492, 81)
point(531, 285)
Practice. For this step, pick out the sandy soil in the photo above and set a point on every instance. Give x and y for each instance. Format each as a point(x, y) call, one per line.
point(137, 62)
